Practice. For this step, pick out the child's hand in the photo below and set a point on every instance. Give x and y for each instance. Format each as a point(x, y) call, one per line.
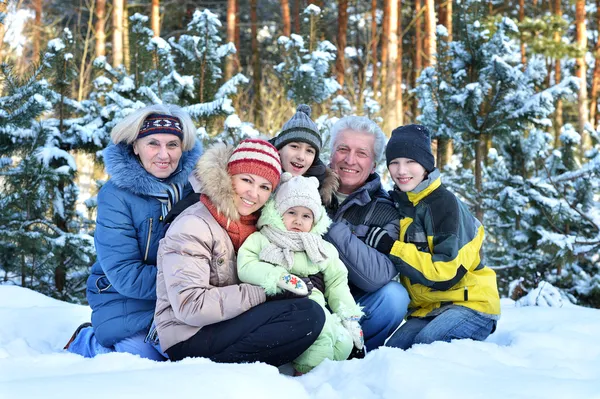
point(379, 239)
point(353, 326)
point(292, 283)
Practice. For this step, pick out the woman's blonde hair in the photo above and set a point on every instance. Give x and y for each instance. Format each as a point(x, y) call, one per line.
point(126, 131)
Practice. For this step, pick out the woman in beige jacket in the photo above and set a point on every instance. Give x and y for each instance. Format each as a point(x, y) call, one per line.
point(202, 309)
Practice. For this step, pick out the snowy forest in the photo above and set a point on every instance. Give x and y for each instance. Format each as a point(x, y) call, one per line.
point(508, 88)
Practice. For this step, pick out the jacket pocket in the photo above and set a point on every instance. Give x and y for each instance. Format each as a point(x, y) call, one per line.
point(102, 284)
point(148, 240)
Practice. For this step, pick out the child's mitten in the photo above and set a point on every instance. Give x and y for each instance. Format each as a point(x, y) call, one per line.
point(292, 283)
point(353, 326)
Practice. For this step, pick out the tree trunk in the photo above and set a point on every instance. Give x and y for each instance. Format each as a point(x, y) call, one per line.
point(558, 115)
point(256, 69)
point(418, 54)
point(155, 17)
point(391, 121)
point(37, 30)
point(581, 38)
point(444, 145)
point(117, 34)
point(341, 41)
point(238, 41)
point(430, 42)
point(521, 19)
point(596, 77)
point(374, 46)
point(285, 14)
point(229, 62)
point(100, 26)
point(3, 9)
point(479, 145)
point(446, 16)
point(126, 48)
point(385, 39)
point(398, 77)
point(297, 17)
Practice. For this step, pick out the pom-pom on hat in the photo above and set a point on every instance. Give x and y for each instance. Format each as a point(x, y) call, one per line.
point(161, 124)
point(256, 157)
point(300, 128)
point(412, 142)
point(299, 191)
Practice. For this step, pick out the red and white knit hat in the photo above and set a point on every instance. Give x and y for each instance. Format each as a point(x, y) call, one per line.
point(256, 157)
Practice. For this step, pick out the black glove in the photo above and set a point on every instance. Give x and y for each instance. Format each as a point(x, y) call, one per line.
point(317, 281)
point(379, 239)
point(283, 295)
point(289, 294)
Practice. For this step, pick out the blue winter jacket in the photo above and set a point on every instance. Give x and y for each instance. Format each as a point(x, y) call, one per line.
point(370, 205)
point(121, 289)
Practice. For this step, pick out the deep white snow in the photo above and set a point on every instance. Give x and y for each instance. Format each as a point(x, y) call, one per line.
point(537, 352)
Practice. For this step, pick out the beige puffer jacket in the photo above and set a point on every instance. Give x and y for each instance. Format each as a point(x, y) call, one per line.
point(197, 282)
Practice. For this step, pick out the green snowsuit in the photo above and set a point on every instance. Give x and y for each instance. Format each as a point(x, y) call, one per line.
point(334, 342)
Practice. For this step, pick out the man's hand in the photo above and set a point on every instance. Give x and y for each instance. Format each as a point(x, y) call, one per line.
point(317, 281)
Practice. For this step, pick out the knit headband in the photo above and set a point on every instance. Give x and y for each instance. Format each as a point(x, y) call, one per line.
point(161, 124)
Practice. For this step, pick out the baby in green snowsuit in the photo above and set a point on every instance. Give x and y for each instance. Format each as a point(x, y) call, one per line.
point(289, 245)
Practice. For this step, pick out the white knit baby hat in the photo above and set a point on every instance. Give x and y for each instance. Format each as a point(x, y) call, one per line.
point(298, 191)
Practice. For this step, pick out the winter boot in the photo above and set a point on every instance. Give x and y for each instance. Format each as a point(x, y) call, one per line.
point(81, 327)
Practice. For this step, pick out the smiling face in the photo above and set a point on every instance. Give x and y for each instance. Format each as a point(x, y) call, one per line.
point(250, 192)
point(297, 157)
point(353, 159)
point(299, 219)
point(159, 153)
point(406, 173)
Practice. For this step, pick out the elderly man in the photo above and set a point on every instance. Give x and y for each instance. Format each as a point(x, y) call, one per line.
point(361, 202)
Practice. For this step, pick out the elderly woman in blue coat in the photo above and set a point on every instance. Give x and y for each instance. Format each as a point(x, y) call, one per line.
point(152, 153)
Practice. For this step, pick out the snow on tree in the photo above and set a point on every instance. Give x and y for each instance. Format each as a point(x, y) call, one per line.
point(44, 244)
point(479, 96)
point(305, 70)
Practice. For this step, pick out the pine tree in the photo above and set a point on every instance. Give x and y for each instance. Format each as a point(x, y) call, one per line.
point(305, 70)
point(43, 238)
point(479, 96)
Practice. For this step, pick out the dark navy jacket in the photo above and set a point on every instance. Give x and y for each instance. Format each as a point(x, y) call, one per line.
point(121, 289)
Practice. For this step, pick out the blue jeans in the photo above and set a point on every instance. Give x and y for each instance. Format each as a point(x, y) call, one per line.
point(384, 311)
point(458, 322)
point(86, 345)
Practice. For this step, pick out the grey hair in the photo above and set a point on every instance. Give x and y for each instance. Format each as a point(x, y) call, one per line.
point(126, 131)
point(360, 124)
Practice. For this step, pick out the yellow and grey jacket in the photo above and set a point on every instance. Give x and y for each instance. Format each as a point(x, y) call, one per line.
point(438, 252)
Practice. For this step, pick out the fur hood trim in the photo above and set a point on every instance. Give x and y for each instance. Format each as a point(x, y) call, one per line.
point(330, 185)
point(210, 178)
point(127, 173)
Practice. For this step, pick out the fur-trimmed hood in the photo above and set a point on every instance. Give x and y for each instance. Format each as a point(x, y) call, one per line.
point(126, 171)
point(270, 216)
point(210, 178)
point(329, 186)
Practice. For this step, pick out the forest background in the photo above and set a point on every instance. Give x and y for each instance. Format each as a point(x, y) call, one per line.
point(509, 89)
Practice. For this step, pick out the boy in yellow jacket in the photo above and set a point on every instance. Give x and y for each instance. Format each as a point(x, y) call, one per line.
point(437, 254)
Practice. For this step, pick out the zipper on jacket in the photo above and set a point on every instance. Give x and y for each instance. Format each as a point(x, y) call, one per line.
point(466, 293)
point(148, 242)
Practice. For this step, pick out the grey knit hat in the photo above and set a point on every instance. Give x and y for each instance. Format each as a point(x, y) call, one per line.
point(299, 191)
point(300, 128)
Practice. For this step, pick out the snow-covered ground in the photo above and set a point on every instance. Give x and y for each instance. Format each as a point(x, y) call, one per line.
point(537, 352)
